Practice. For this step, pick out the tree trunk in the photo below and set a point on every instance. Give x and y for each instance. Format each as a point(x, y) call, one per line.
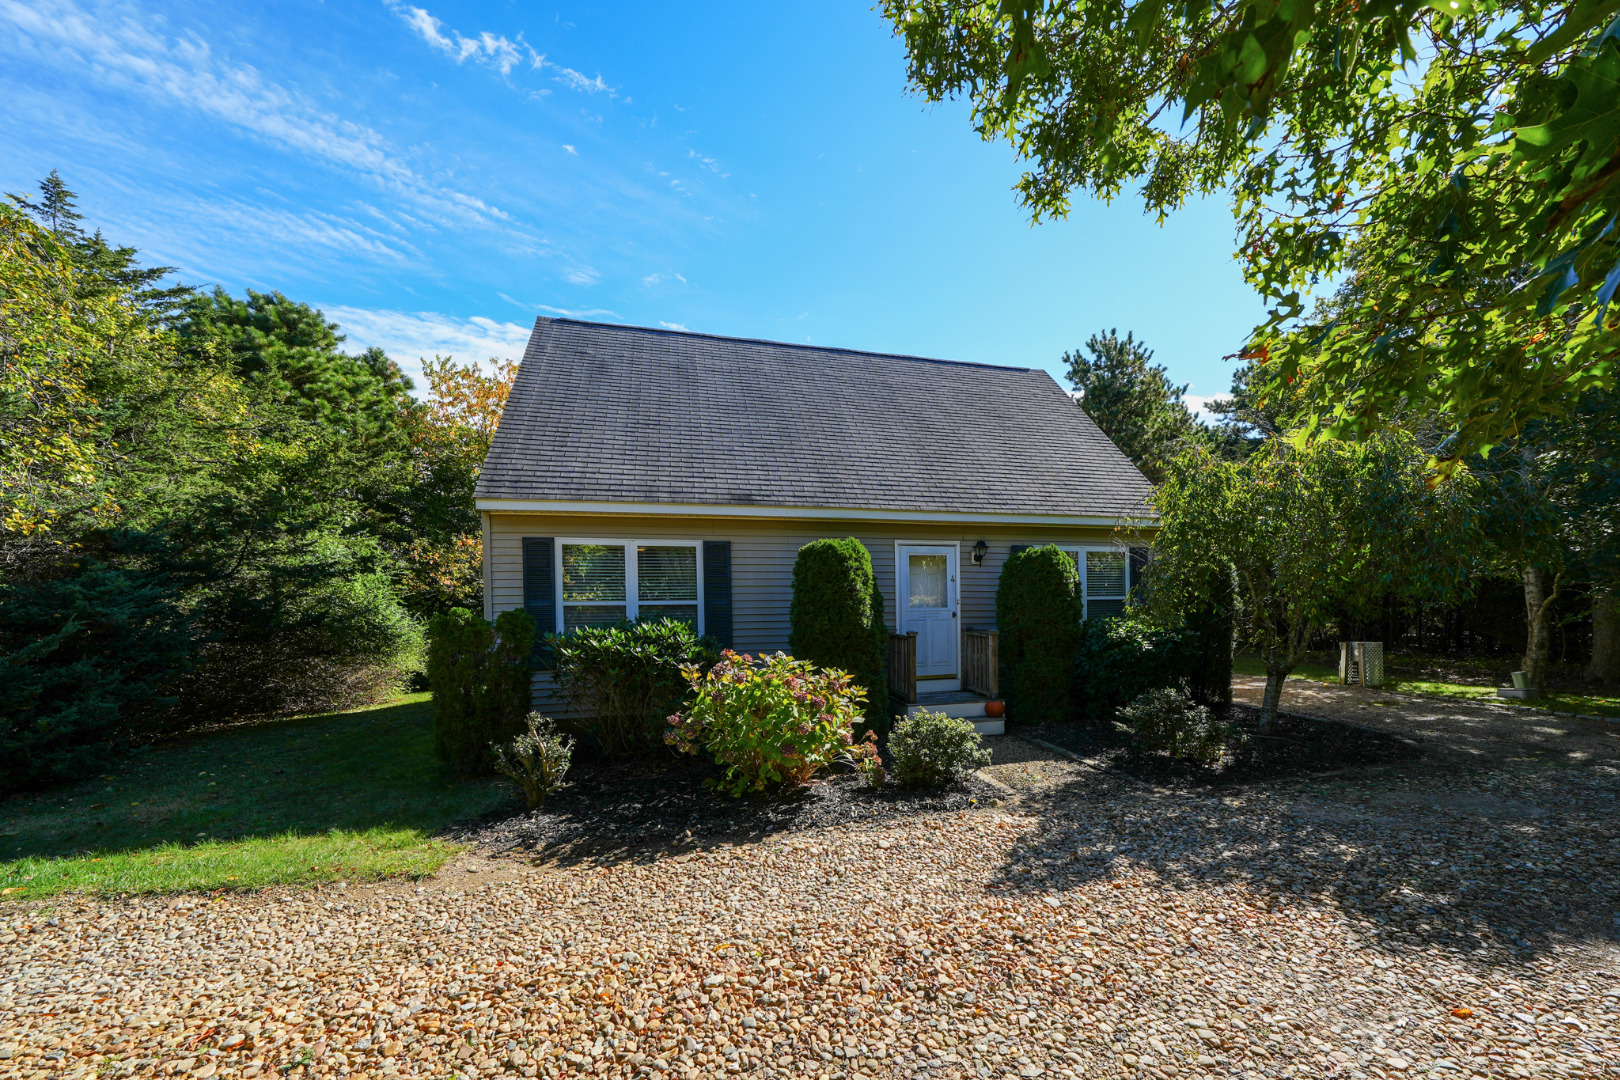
point(1605, 665)
point(1275, 677)
point(1538, 602)
point(1279, 662)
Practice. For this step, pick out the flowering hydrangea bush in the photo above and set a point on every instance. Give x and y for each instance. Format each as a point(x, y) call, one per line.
point(770, 721)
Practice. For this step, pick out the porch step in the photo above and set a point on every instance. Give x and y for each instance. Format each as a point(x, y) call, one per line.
point(961, 704)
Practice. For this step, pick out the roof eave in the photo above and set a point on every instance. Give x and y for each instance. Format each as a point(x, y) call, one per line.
point(1144, 520)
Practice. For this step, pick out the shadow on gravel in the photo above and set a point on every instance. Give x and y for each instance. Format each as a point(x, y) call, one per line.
point(640, 809)
point(1469, 860)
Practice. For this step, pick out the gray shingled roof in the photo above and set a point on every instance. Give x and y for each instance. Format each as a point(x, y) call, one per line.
point(626, 414)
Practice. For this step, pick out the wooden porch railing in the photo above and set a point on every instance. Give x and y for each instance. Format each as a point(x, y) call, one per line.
point(903, 666)
point(981, 662)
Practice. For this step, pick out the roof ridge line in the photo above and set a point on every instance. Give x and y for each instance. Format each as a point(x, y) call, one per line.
point(794, 345)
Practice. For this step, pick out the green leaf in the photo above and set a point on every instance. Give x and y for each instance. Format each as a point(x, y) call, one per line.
point(1582, 17)
point(1592, 118)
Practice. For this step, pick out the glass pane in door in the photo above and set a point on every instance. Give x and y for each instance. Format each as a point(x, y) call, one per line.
point(928, 582)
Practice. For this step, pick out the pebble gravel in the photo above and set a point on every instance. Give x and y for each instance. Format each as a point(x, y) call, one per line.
point(1452, 917)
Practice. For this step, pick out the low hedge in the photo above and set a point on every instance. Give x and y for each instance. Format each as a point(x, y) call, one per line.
point(628, 678)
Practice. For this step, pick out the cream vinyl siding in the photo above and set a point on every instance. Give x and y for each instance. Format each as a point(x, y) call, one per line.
point(762, 556)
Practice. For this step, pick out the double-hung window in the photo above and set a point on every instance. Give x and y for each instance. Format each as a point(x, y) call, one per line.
point(1105, 575)
point(600, 582)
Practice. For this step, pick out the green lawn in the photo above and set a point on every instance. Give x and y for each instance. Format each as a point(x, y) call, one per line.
point(346, 796)
point(1584, 704)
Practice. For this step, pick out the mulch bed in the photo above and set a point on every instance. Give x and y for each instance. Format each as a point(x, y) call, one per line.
point(1295, 745)
point(644, 806)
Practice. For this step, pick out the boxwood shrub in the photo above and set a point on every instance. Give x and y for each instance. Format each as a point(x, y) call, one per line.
point(1038, 611)
point(836, 618)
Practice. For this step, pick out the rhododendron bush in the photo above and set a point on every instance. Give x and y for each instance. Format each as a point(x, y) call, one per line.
point(770, 721)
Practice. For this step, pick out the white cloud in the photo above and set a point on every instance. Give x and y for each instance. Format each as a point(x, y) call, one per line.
point(675, 326)
point(490, 50)
point(494, 51)
point(566, 313)
point(708, 163)
point(115, 43)
point(583, 275)
point(1198, 404)
point(576, 80)
point(300, 231)
point(570, 149)
point(410, 336)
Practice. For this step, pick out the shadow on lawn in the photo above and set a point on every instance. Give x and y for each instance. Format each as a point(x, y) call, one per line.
point(1423, 857)
point(369, 769)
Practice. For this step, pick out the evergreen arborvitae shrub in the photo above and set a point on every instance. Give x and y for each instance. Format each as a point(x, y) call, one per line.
point(479, 675)
point(1211, 626)
point(1038, 612)
point(836, 619)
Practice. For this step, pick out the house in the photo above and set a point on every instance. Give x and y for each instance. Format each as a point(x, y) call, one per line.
point(642, 472)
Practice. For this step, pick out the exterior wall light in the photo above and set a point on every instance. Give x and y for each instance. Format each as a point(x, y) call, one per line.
point(980, 550)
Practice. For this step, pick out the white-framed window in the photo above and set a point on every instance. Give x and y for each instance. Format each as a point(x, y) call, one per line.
point(1105, 578)
point(601, 581)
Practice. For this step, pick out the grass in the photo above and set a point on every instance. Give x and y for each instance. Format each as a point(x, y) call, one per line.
point(351, 796)
point(1584, 704)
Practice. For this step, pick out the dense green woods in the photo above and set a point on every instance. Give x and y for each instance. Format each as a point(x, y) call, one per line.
point(210, 509)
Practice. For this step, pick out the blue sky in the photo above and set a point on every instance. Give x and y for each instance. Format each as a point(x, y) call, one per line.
point(434, 176)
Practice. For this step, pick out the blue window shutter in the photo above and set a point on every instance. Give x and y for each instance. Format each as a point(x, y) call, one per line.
point(539, 594)
point(1139, 561)
point(1016, 548)
point(717, 591)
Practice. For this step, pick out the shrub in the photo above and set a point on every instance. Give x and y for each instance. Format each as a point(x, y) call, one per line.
point(536, 761)
point(836, 618)
point(1038, 609)
point(868, 762)
point(84, 658)
point(770, 721)
point(1211, 629)
point(479, 675)
point(318, 628)
point(932, 749)
point(1166, 721)
point(1119, 659)
point(628, 677)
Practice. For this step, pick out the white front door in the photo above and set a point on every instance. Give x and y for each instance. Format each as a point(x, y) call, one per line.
point(927, 597)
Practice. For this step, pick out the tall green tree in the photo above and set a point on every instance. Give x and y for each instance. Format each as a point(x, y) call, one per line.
point(103, 268)
point(1551, 504)
point(1457, 159)
point(185, 535)
point(1132, 400)
point(1305, 533)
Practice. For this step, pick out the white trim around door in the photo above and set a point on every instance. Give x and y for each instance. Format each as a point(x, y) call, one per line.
point(927, 598)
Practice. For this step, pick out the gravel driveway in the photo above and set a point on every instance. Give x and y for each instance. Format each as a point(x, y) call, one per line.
point(1454, 916)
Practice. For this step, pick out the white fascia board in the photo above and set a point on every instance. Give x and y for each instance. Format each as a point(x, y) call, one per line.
point(813, 513)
